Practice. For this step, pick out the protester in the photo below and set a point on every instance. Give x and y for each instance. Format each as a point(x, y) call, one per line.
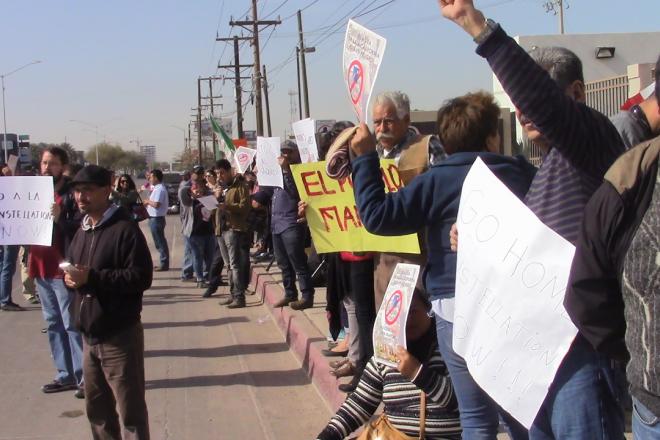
point(43, 265)
point(614, 289)
point(187, 269)
point(157, 205)
point(468, 128)
point(112, 269)
point(197, 226)
point(236, 206)
point(289, 235)
point(125, 194)
point(29, 289)
point(579, 144)
point(414, 153)
point(419, 383)
point(217, 220)
point(642, 121)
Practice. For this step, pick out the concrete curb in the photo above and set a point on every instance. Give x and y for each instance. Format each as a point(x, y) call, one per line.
point(302, 336)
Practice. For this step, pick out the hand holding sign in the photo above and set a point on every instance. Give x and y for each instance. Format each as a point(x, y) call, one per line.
point(363, 142)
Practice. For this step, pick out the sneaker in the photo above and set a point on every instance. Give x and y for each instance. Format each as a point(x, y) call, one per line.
point(11, 307)
point(80, 393)
point(283, 302)
point(34, 300)
point(161, 269)
point(56, 386)
point(302, 304)
point(202, 284)
point(237, 303)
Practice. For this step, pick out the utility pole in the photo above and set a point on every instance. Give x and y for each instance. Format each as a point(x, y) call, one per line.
point(215, 139)
point(303, 65)
point(236, 67)
point(199, 119)
point(254, 24)
point(557, 8)
point(270, 132)
point(298, 74)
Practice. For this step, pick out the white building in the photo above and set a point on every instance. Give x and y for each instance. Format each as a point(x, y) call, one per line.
point(149, 152)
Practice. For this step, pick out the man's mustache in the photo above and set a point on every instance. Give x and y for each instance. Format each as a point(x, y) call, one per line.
point(380, 136)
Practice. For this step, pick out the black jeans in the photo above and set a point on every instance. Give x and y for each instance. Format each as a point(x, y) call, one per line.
point(362, 289)
point(215, 273)
point(289, 247)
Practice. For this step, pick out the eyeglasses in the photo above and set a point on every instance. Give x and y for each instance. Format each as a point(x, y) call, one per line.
point(210, 175)
point(123, 181)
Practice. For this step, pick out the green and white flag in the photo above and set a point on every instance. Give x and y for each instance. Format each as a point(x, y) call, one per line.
point(226, 140)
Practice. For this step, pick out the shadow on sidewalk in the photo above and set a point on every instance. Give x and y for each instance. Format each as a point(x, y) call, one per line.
point(229, 350)
point(254, 378)
point(204, 323)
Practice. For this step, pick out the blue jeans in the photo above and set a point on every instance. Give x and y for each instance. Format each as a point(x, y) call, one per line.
point(289, 247)
point(157, 226)
point(239, 261)
point(187, 266)
point(8, 257)
point(65, 341)
point(480, 415)
point(582, 402)
point(202, 247)
point(645, 424)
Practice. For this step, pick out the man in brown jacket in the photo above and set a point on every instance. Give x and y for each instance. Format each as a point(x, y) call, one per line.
point(236, 206)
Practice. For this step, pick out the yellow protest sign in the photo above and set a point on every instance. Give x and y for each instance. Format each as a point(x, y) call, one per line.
point(333, 216)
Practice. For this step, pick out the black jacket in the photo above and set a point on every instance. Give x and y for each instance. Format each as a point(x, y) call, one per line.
point(120, 271)
point(593, 298)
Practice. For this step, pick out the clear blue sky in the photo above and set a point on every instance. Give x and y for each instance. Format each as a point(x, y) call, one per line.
point(130, 67)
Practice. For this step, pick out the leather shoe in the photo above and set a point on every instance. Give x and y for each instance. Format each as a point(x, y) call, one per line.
point(80, 393)
point(344, 371)
point(302, 304)
point(283, 302)
point(56, 386)
point(338, 363)
point(237, 303)
point(350, 386)
point(331, 353)
point(208, 292)
point(226, 301)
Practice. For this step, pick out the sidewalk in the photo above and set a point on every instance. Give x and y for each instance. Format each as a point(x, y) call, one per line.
point(212, 373)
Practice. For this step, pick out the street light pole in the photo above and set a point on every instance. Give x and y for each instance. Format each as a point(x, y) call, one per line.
point(96, 135)
point(4, 108)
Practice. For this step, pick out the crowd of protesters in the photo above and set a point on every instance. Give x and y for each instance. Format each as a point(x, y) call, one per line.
point(597, 187)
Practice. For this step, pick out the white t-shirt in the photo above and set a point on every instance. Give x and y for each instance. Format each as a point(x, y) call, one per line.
point(159, 194)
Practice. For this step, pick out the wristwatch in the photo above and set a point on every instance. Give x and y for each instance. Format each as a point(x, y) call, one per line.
point(491, 26)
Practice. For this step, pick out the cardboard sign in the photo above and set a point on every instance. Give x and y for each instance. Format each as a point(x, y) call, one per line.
point(363, 53)
point(25, 204)
point(510, 324)
point(306, 140)
point(333, 218)
point(269, 172)
point(390, 325)
point(243, 158)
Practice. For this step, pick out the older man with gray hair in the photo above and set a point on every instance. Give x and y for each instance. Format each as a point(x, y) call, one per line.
point(413, 154)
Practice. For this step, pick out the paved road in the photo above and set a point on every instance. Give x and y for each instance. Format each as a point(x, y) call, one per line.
point(212, 373)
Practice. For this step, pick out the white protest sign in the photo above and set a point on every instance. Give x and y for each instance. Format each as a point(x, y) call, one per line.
point(243, 158)
point(25, 210)
point(269, 172)
point(390, 325)
point(510, 324)
point(306, 140)
point(363, 52)
point(209, 202)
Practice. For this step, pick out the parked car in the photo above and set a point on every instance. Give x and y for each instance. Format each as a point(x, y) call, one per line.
point(171, 182)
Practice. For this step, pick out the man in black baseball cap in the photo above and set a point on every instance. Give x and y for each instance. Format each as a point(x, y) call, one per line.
point(110, 269)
